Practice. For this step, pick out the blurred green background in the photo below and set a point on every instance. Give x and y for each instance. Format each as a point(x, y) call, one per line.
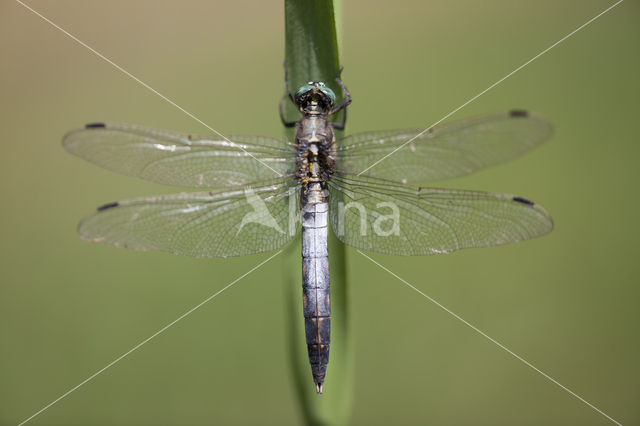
point(568, 302)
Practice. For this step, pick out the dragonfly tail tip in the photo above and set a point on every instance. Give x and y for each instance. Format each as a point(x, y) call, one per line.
point(319, 387)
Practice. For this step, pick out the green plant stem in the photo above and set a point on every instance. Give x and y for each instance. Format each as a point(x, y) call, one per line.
point(312, 55)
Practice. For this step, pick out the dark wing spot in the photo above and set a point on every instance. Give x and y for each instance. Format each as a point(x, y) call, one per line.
point(94, 126)
point(518, 113)
point(108, 206)
point(523, 201)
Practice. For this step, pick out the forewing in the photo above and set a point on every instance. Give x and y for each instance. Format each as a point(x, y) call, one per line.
point(385, 217)
point(170, 158)
point(205, 224)
point(445, 151)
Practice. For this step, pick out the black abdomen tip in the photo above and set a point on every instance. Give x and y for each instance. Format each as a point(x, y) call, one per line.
point(94, 126)
point(108, 206)
point(523, 201)
point(518, 113)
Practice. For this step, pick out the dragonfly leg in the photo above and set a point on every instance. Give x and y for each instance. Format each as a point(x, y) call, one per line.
point(340, 126)
point(343, 105)
point(286, 82)
point(347, 97)
point(282, 117)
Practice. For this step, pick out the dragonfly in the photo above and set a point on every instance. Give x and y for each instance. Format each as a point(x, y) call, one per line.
point(258, 192)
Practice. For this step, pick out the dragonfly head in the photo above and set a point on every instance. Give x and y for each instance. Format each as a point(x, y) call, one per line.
point(314, 96)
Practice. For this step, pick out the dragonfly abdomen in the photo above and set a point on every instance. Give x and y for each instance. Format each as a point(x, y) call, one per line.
point(315, 280)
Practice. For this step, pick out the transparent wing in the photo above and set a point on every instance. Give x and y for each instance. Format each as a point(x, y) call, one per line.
point(204, 224)
point(181, 159)
point(386, 217)
point(445, 151)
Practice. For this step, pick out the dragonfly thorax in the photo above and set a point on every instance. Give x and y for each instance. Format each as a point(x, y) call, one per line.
point(316, 150)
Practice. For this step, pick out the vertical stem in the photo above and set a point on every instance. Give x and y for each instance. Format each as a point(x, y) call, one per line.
point(312, 55)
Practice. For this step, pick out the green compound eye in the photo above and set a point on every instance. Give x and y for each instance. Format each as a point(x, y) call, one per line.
point(316, 85)
point(329, 93)
point(304, 89)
